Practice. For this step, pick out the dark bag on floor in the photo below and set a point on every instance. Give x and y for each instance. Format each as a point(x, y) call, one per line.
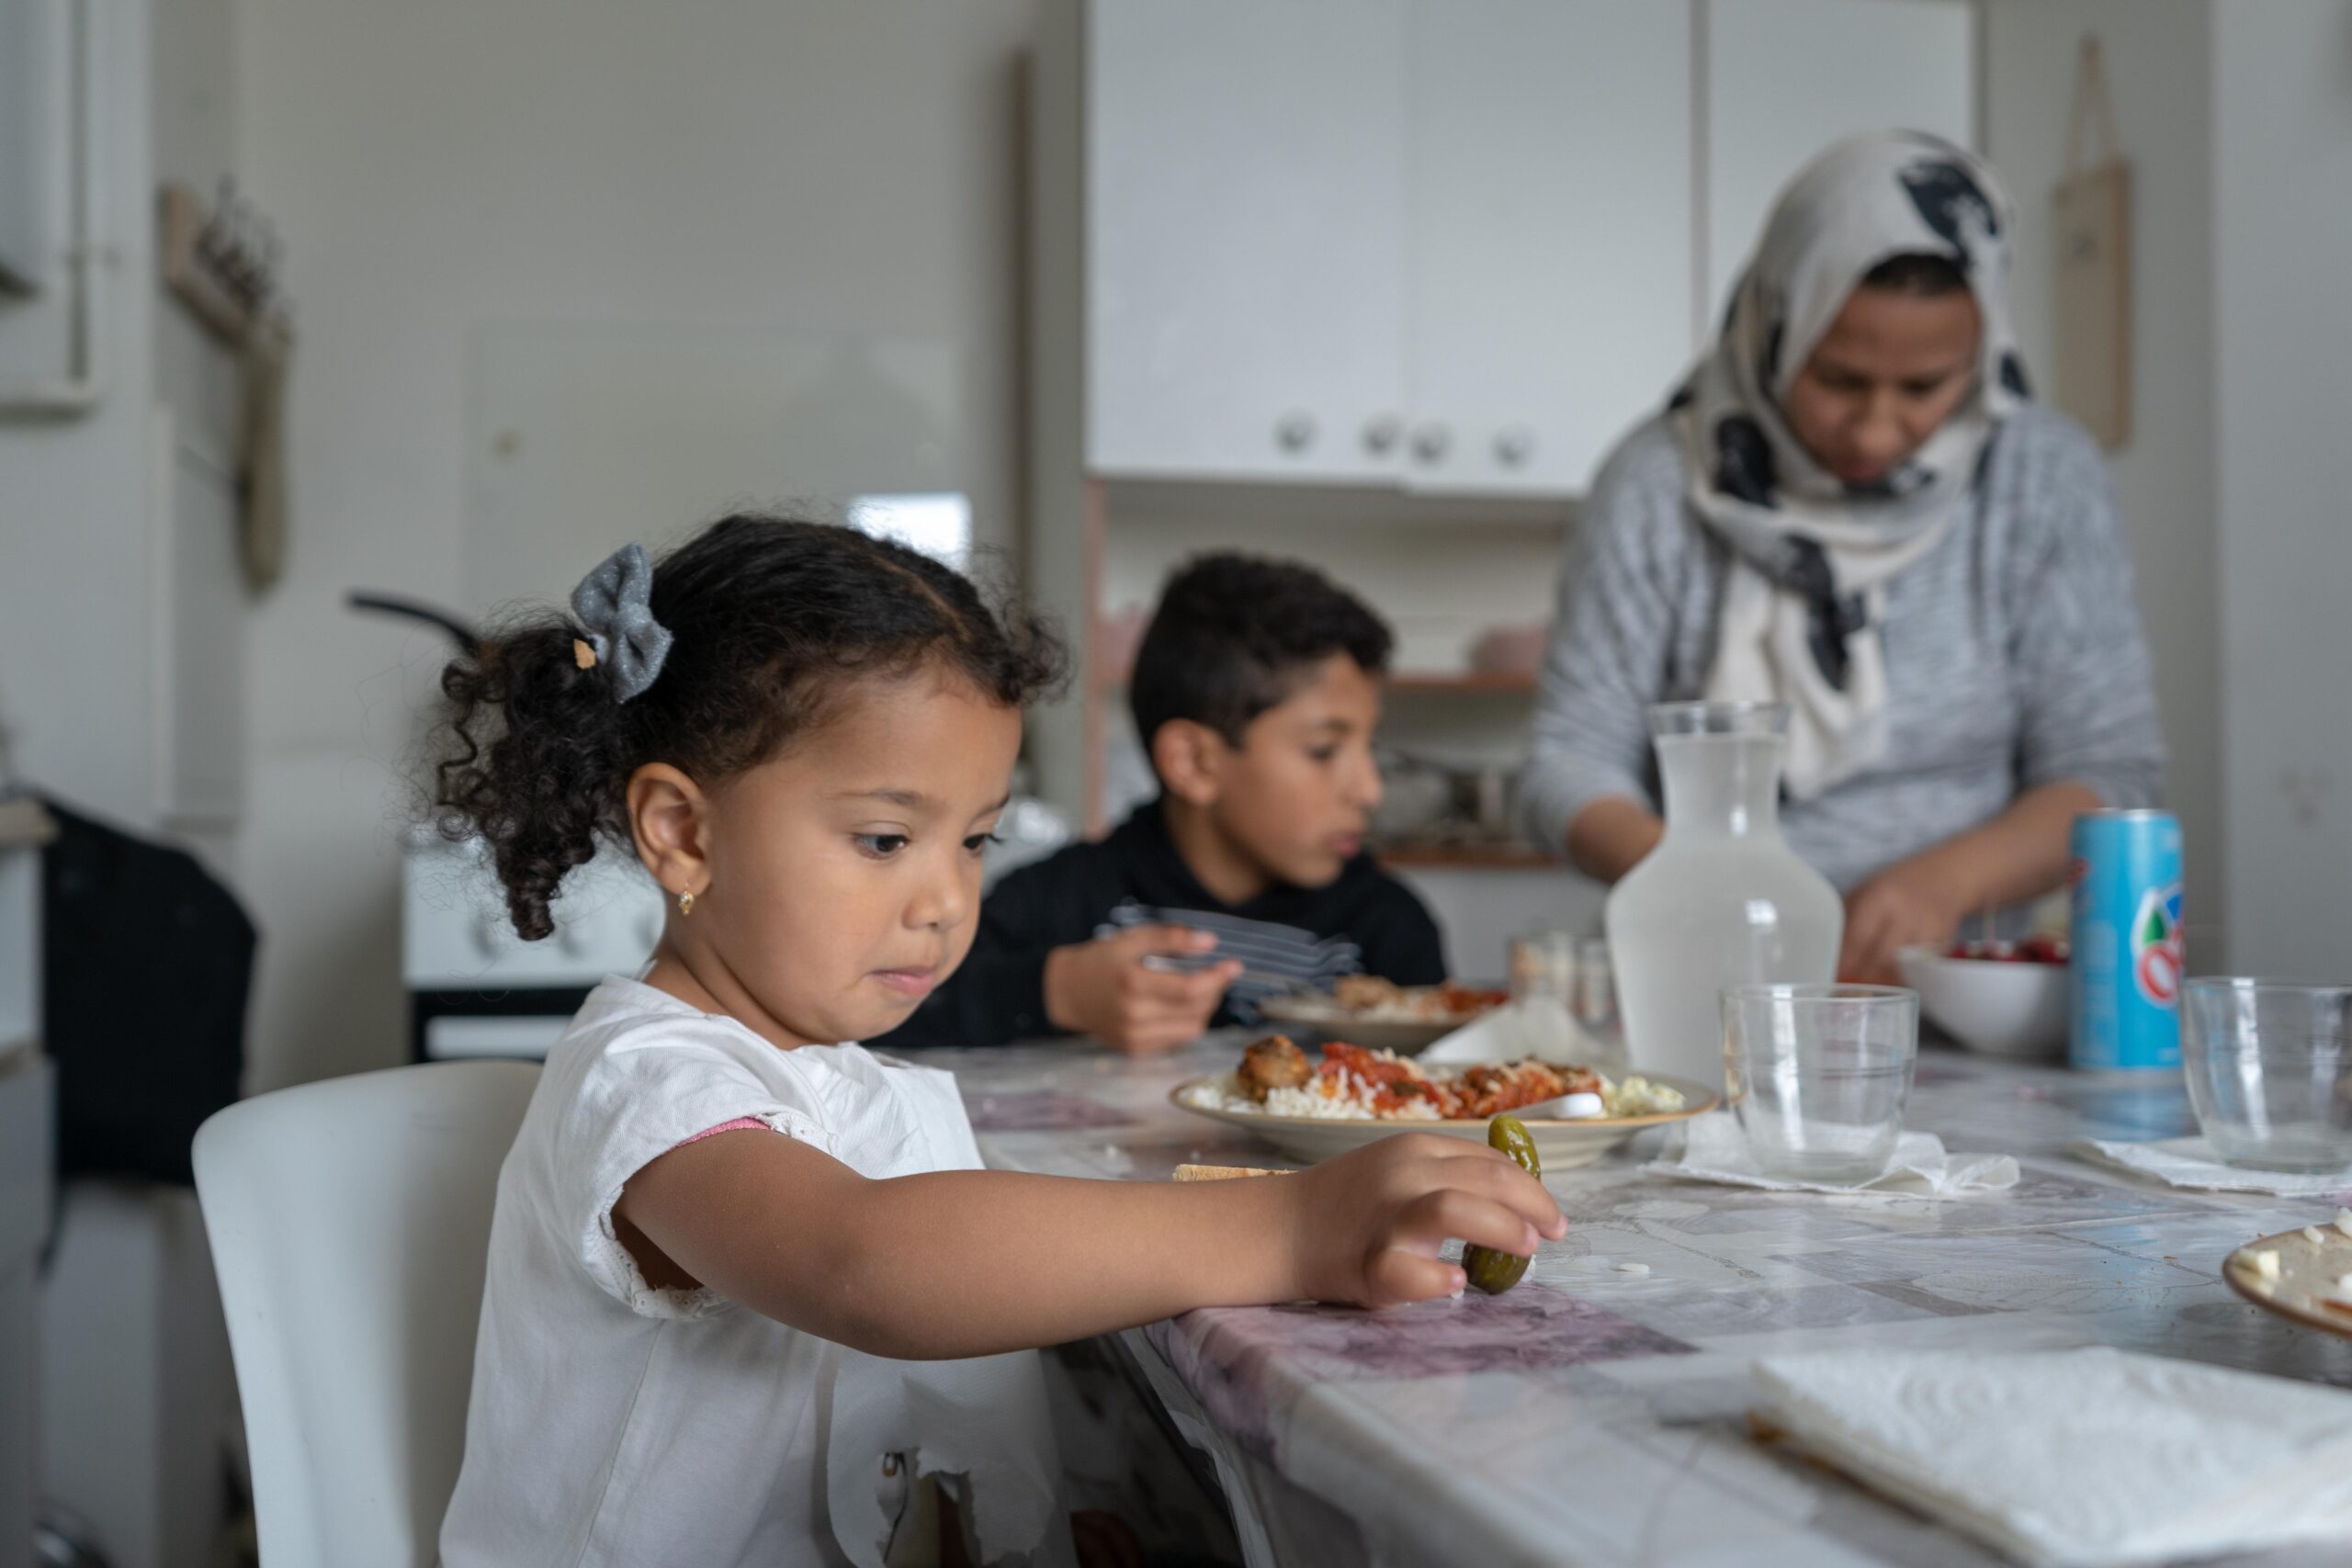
point(145, 967)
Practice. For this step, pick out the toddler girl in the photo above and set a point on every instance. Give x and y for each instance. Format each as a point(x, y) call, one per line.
point(746, 1282)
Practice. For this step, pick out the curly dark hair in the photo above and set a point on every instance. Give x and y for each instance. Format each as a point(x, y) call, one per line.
point(1232, 636)
point(774, 620)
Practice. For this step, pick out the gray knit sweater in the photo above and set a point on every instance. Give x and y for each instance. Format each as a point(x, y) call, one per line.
point(2014, 656)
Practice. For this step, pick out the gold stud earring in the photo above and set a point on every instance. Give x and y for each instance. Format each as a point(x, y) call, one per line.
point(685, 902)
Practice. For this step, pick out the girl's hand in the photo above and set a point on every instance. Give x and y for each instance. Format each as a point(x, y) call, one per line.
point(1366, 1227)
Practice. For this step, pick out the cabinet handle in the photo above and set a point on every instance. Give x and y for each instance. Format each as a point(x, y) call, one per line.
point(1514, 444)
point(1382, 432)
point(1431, 441)
point(1295, 431)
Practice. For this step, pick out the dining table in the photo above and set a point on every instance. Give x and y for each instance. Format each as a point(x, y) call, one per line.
point(1599, 1412)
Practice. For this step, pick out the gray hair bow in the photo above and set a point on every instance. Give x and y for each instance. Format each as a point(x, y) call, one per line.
point(614, 602)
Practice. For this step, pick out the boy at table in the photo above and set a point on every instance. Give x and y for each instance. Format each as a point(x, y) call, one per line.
point(1256, 690)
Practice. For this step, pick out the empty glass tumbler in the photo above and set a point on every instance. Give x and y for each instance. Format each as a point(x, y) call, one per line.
point(1818, 1075)
point(2270, 1069)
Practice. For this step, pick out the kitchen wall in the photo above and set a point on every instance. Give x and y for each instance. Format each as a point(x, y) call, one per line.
point(2282, 238)
point(2236, 114)
point(2158, 59)
point(441, 167)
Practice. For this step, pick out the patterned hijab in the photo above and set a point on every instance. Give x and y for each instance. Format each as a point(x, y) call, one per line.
point(1800, 620)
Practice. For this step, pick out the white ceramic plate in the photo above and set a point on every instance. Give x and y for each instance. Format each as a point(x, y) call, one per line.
point(2326, 1319)
point(1328, 1018)
point(1561, 1145)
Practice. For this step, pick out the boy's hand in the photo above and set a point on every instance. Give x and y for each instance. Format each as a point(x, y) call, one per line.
point(1366, 1227)
point(1104, 988)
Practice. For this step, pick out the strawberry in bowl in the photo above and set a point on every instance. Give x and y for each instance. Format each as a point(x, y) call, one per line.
point(2039, 948)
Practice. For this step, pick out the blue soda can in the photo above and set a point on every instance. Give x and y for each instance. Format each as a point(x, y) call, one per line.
point(2129, 953)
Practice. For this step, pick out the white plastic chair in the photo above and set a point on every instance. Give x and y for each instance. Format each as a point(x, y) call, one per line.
point(349, 1223)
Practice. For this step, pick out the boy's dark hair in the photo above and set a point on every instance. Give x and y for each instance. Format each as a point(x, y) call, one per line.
point(772, 619)
point(1922, 272)
point(1231, 633)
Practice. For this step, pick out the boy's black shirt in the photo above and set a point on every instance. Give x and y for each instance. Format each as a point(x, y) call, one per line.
point(998, 993)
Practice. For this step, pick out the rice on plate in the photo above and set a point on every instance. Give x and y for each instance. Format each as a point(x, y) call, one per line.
point(1352, 1084)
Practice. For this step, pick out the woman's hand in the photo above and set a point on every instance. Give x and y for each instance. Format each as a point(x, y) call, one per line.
point(1613, 836)
point(1366, 1227)
point(1906, 905)
point(2020, 854)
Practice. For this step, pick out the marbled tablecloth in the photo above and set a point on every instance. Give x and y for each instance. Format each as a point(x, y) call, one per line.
point(1597, 1413)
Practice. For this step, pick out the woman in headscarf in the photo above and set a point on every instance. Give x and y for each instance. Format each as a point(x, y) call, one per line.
point(1852, 505)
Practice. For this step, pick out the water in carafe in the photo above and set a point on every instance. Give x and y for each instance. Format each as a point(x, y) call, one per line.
point(1723, 899)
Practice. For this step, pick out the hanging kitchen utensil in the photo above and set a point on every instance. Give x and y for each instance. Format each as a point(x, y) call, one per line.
point(465, 635)
point(224, 265)
point(2092, 208)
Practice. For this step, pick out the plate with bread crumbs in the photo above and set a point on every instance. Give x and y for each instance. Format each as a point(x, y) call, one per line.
point(1311, 1109)
point(2304, 1274)
point(1373, 1012)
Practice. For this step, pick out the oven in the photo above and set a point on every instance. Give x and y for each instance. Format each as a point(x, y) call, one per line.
point(477, 989)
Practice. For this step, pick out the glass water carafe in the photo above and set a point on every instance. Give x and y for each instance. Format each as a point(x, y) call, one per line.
point(1722, 900)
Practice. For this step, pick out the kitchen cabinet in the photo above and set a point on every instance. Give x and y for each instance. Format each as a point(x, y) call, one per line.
point(1446, 245)
point(1787, 77)
point(1549, 174)
point(27, 1111)
point(1245, 237)
point(1437, 243)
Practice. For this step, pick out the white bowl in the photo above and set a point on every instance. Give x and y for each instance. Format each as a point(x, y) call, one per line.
point(1990, 1005)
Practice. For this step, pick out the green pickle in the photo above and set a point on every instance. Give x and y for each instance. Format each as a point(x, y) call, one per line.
point(1495, 1272)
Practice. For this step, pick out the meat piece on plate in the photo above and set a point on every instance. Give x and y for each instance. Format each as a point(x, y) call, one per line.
point(1455, 999)
point(1271, 1063)
point(1362, 993)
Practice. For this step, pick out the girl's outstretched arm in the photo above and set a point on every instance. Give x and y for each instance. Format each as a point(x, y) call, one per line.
point(970, 1262)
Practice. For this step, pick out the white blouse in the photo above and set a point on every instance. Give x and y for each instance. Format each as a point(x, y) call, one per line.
point(613, 1423)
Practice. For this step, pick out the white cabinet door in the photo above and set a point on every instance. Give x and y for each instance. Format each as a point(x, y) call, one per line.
point(1549, 233)
point(1244, 187)
point(1786, 77)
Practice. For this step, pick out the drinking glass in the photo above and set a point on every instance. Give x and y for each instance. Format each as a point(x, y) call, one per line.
point(1818, 1075)
point(1542, 964)
point(2270, 1069)
point(1595, 994)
